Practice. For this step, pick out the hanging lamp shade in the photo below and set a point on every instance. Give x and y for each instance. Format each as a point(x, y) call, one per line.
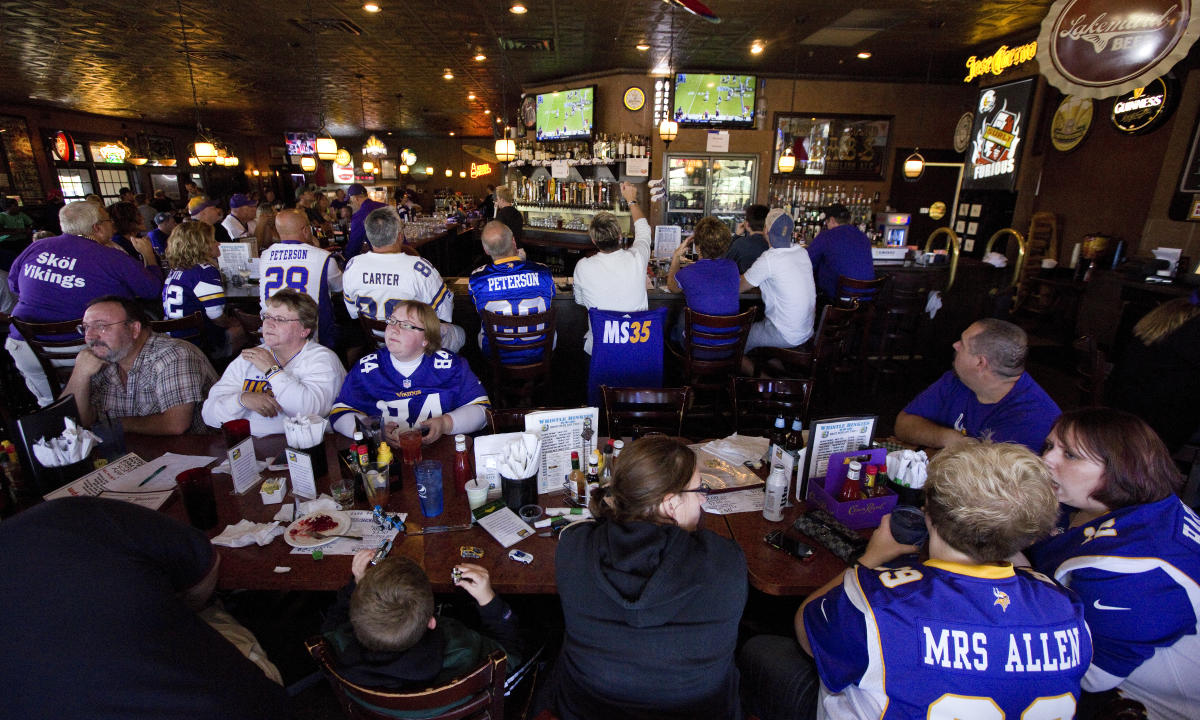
point(343, 157)
point(914, 165)
point(308, 163)
point(506, 150)
point(193, 161)
point(327, 148)
point(667, 130)
point(374, 147)
point(206, 152)
point(368, 166)
point(787, 161)
point(428, 169)
point(403, 169)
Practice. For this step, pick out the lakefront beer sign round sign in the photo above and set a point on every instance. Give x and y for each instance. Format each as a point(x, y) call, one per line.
point(1101, 48)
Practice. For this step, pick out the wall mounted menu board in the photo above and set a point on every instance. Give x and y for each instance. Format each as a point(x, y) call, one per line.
point(850, 147)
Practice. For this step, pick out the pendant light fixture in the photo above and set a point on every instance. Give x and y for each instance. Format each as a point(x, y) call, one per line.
point(204, 149)
point(914, 164)
point(787, 158)
point(374, 146)
point(668, 129)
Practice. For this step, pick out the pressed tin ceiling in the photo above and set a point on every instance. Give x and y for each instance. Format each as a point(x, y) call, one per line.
point(263, 66)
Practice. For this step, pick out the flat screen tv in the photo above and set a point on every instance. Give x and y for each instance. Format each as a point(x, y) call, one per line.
point(714, 100)
point(566, 114)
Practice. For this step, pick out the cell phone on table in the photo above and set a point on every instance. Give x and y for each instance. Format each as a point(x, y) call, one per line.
point(790, 545)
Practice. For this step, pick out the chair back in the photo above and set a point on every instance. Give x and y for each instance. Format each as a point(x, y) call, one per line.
point(478, 695)
point(520, 351)
point(55, 344)
point(758, 401)
point(634, 410)
point(506, 420)
point(713, 346)
point(373, 329)
point(834, 339)
point(48, 422)
point(627, 349)
point(186, 327)
point(1092, 370)
point(864, 291)
point(251, 323)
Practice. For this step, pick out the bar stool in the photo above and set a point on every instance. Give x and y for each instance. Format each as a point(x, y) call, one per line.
point(822, 359)
point(520, 353)
point(713, 346)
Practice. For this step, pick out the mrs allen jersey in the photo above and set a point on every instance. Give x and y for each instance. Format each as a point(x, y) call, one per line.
point(943, 640)
point(442, 382)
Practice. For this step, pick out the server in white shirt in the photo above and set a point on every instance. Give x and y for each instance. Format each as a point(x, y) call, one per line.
point(240, 222)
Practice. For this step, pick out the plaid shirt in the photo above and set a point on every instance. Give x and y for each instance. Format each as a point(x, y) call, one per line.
point(167, 372)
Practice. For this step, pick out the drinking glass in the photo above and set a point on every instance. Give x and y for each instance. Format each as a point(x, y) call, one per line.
point(198, 499)
point(429, 487)
point(410, 446)
point(376, 481)
point(342, 490)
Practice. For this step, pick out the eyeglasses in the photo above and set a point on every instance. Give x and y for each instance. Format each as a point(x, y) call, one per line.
point(98, 327)
point(275, 318)
point(404, 325)
point(704, 491)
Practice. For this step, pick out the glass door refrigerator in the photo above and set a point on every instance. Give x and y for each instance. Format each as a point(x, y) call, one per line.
point(709, 184)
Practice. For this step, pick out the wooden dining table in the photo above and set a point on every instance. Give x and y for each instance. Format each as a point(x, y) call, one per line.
point(255, 568)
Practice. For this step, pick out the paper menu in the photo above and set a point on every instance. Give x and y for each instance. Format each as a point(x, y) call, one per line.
point(562, 431)
point(122, 478)
point(243, 466)
point(666, 239)
point(301, 470)
point(504, 525)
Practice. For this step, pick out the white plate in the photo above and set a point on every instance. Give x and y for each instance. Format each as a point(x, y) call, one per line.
point(302, 540)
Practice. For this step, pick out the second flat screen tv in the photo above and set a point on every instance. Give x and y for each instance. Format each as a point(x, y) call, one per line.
point(714, 100)
point(566, 114)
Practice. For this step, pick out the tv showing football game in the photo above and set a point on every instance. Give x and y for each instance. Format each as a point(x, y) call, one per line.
point(566, 114)
point(714, 100)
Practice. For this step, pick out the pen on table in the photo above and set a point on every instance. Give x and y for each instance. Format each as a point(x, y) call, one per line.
point(152, 475)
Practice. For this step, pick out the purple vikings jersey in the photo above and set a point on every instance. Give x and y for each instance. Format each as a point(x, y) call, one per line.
point(627, 349)
point(1137, 570)
point(197, 288)
point(943, 640)
point(441, 383)
point(512, 286)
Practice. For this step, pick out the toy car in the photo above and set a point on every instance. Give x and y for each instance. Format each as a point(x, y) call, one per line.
point(520, 556)
point(470, 552)
point(455, 575)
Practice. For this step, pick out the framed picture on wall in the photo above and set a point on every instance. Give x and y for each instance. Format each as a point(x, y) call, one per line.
point(829, 146)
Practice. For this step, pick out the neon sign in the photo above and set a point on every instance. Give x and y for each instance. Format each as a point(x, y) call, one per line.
point(999, 61)
point(480, 169)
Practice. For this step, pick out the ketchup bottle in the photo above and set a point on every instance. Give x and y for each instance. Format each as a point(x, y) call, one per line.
point(852, 490)
point(462, 463)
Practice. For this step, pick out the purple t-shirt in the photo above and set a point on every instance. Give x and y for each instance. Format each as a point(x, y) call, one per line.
point(54, 279)
point(1022, 416)
point(711, 286)
point(843, 250)
point(357, 242)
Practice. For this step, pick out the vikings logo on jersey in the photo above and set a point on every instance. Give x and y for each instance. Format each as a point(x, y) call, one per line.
point(1002, 599)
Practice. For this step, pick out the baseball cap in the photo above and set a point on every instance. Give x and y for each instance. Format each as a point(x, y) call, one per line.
point(239, 200)
point(199, 204)
point(162, 217)
point(356, 189)
point(779, 227)
point(837, 211)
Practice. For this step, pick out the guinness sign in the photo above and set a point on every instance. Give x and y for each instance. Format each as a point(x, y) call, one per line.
point(1145, 108)
point(1102, 48)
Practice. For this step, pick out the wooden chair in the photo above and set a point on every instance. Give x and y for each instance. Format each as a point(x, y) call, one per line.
point(1092, 369)
point(514, 378)
point(56, 356)
point(638, 410)
point(478, 695)
point(866, 293)
point(826, 359)
point(506, 420)
point(251, 323)
point(713, 346)
point(758, 401)
point(900, 322)
point(373, 330)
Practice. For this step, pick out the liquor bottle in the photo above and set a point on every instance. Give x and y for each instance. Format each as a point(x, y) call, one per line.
point(593, 473)
point(462, 463)
point(852, 489)
point(777, 486)
point(606, 465)
point(577, 481)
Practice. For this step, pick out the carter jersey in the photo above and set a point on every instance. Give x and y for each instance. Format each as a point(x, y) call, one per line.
point(943, 640)
point(310, 270)
point(1137, 570)
point(376, 282)
point(512, 286)
point(441, 383)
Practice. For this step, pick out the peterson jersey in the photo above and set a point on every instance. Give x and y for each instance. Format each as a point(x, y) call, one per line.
point(1137, 570)
point(943, 640)
point(441, 383)
point(307, 269)
point(376, 282)
point(512, 286)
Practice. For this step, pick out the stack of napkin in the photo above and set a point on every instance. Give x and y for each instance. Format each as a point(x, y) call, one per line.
point(304, 431)
point(522, 456)
point(74, 445)
point(908, 468)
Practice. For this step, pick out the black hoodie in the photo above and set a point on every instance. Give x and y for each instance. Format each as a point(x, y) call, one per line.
point(651, 617)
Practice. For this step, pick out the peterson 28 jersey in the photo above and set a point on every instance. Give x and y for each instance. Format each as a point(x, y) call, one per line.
point(1137, 570)
point(307, 269)
point(441, 383)
point(374, 283)
point(941, 640)
point(512, 286)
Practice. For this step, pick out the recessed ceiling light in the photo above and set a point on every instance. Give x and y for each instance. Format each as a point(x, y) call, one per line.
point(448, 74)
point(371, 7)
point(757, 47)
point(643, 46)
point(480, 57)
point(864, 55)
point(470, 96)
point(518, 8)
